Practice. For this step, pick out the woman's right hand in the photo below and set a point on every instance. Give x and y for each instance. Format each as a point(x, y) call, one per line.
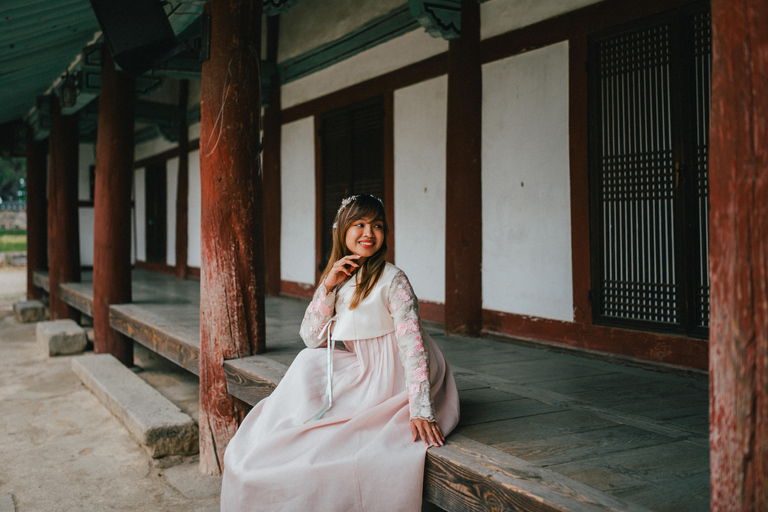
point(341, 270)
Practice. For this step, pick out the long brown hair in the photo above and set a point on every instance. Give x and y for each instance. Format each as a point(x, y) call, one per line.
point(360, 206)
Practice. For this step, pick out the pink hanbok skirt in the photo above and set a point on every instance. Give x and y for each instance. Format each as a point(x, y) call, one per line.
point(359, 456)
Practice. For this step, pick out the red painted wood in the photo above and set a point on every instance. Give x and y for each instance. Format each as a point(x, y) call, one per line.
point(271, 179)
point(112, 207)
point(63, 228)
point(182, 184)
point(739, 255)
point(463, 196)
point(305, 291)
point(37, 221)
point(232, 283)
point(579, 175)
point(673, 350)
point(389, 171)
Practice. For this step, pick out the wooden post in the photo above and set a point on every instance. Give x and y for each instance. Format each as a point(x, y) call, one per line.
point(271, 178)
point(739, 256)
point(182, 184)
point(112, 207)
point(463, 218)
point(232, 271)
point(37, 223)
point(63, 228)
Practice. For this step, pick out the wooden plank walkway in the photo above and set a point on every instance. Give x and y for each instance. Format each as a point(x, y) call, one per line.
point(539, 430)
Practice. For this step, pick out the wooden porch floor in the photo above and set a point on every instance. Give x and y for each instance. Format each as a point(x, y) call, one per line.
point(567, 432)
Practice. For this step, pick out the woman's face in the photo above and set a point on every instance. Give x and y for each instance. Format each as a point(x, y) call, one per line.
point(365, 237)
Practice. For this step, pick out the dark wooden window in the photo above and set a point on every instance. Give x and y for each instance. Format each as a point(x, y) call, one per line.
point(352, 159)
point(156, 198)
point(649, 86)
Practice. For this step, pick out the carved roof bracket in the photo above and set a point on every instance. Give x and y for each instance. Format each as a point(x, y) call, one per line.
point(440, 18)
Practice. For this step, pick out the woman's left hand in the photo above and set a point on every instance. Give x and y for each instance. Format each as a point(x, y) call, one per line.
point(428, 431)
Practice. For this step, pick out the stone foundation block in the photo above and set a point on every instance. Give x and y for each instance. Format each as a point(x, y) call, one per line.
point(29, 311)
point(61, 337)
point(156, 422)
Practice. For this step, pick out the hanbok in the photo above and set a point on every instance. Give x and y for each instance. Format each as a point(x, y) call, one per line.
point(348, 446)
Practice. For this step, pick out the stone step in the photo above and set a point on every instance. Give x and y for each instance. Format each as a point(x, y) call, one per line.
point(156, 423)
point(29, 311)
point(60, 337)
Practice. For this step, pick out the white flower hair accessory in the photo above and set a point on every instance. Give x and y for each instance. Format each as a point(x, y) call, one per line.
point(346, 201)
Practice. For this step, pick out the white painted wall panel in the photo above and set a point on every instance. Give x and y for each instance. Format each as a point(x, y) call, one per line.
point(85, 223)
point(420, 121)
point(297, 239)
point(140, 216)
point(86, 158)
point(526, 186)
point(193, 211)
point(499, 16)
point(152, 147)
point(395, 54)
point(172, 181)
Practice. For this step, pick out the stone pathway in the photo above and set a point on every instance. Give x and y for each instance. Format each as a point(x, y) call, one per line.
point(62, 450)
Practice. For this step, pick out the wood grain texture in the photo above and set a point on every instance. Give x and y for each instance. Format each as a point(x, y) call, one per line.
point(467, 476)
point(78, 295)
point(37, 221)
point(463, 194)
point(42, 280)
point(63, 224)
point(739, 255)
point(252, 379)
point(232, 282)
point(112, 207)
point(169, 341)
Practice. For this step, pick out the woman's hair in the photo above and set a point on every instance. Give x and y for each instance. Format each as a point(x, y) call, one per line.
point(358, 207)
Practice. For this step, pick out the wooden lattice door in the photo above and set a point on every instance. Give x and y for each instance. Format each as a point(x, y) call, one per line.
point(352, 158)
point(649, 121)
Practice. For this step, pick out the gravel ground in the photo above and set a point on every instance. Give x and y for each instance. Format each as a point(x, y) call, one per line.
point(61, 450)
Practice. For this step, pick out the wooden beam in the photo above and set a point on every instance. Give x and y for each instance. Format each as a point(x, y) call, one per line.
point(37, 223)
point(112, 207)
point(738, 254)
point(271, 179)
point(63, 228)
point(182, 184)
point(463, 197)
point(232, 323)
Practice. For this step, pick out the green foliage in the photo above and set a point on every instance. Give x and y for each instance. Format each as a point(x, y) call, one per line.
point(13, 241)
point(13, 172)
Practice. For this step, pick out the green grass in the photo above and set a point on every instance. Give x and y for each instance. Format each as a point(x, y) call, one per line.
point(13, 241)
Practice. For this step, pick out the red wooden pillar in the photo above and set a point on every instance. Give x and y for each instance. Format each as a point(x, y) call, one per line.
point(232, 271)
point(739, 256)
point(182, 184)
point(271, 178)
point(463, 218)
point(112, 207)
point(37, 223)
point(63, 228)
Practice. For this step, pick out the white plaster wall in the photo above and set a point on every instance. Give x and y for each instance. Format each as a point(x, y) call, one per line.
point(171, 185)
point(526, 188)
point(499, 16)
point(194, 131)
point(297, 239)
point(85, 223)
point(140, 213)
point(312, 23)
point(394, 54)
point(152, 147)
point(420, 123)
point(86, 158)
point(193, 211)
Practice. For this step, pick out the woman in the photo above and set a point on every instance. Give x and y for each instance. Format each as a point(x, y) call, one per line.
point(348, 428)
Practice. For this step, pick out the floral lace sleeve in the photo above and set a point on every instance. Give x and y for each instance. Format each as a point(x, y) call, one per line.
point(318, 313)
point(404, 308)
